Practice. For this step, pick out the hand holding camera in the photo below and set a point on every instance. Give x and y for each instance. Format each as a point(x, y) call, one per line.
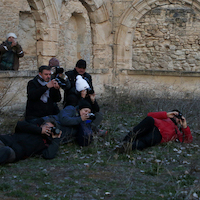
point(57, 74)
point(51, 131)
point(55, 132)
point(14, 42)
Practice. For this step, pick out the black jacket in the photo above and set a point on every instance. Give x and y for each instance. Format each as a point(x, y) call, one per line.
point(35, 108)
point(72, 78)
point(28, 140)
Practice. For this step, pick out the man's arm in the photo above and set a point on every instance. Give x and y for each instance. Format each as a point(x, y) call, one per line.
point(4, 47)
point(51, 151)
point(67, 117)
point(158, 115)
point(19, 50)
point(55, 94)
point(25, 127)
point(34, 92)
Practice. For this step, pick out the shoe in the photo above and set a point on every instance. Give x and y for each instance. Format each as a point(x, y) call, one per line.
point(101, 133)
point(124, 147)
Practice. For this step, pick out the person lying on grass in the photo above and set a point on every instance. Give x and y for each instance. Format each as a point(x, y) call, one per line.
point(29, 139)
point(156, 128)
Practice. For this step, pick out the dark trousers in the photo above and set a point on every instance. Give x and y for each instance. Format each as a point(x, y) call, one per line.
point(7, 154)
point(144, 135)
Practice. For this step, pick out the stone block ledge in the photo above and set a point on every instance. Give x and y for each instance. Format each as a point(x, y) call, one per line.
point(29, 73)
point(18, 74)
point(160, 73)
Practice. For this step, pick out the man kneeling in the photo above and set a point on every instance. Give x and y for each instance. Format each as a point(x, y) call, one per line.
point(30, 139)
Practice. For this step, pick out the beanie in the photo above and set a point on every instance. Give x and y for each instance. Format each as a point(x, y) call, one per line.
point(81, 84)
point(81, 64)
point(54, 62)
point(11, 35)
point(84, 104)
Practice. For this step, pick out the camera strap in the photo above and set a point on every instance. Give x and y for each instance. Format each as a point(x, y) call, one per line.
point(182, 136)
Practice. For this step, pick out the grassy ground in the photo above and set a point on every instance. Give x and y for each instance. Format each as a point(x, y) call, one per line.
point(167, 171)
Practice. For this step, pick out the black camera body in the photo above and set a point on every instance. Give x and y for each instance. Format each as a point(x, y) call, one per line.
point(91, 116)
point(55, 130)
point(90, 91)
point(179, 116)
point(55, 71)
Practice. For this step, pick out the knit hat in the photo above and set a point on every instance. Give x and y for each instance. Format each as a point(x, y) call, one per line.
point(84, 104)
point(54, 62)
point(11, 35)
point(81, 84)
point(81, 64)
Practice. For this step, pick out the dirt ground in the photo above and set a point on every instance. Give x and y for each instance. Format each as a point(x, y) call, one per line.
point(167, 171)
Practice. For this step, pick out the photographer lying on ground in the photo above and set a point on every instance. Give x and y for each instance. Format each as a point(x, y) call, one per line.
point(156, 128)
point(73, 121)
point(30, 139)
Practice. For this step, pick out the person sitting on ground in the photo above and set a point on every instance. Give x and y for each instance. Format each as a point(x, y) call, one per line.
point(69, 120)
point(30, 139)
point(10, 52)
point(91, 99)
point(83, 90)
point(43, 95)
point(156, 128)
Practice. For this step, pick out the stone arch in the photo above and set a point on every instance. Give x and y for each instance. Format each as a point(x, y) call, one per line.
point(128, 22)
point(47, 17)
point(75, 40)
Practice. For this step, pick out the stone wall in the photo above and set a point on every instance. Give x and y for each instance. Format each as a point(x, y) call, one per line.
point(167, 38)
point(129, 46)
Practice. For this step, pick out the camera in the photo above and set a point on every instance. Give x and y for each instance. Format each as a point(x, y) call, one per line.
point(90, 91)
point(179, 116)
point(91, 116)
point(59, 76)
point(55, 130)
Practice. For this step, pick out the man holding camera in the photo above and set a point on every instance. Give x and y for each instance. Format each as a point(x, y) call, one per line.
point(156, 128)
point(10, 52)
point(43, 95)
point(30, 139)
point(69, 120)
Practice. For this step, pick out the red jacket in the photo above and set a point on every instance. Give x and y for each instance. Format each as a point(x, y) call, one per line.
point(168, 129)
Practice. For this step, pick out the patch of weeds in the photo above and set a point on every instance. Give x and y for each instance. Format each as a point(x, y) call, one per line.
point(3, 170)
point(168, 190)
point(186, 180)
point(40, 175)
point(154, 169)
point(20, 194)
point(5, 187)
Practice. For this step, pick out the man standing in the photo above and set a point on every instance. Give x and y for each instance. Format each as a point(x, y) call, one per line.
point(43, 93)
point(10, 52)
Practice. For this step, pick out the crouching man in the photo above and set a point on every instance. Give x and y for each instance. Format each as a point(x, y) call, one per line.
point(30, 139)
